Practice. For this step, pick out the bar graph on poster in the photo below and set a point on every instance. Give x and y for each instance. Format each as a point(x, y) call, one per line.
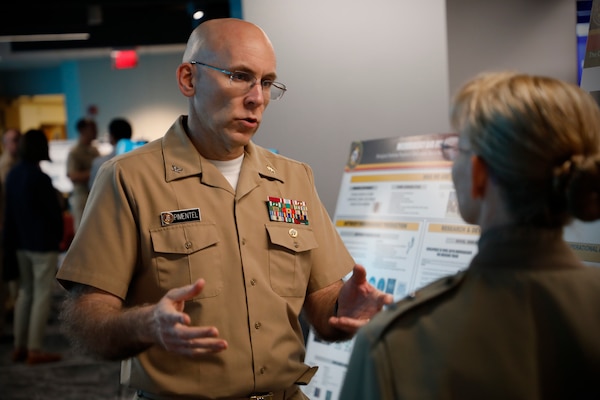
point(398, 216)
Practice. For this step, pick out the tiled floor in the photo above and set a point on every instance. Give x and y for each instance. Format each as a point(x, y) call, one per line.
point(75, 377)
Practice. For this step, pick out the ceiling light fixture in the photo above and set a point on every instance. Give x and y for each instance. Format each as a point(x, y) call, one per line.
point(52, 37)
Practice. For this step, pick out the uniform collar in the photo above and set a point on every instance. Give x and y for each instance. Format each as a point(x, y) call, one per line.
point(261, 162)
point(182, 160)
point(179, 154)
point(524, 247)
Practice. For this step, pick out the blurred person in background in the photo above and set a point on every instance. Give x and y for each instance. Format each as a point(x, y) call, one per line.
point(522, 321)
point(79, 165)
point(33, 215)
point(8, 283)
point(10, 148)
point(118, 128)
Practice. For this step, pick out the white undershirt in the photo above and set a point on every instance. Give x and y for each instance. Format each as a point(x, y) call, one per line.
point(230, 169)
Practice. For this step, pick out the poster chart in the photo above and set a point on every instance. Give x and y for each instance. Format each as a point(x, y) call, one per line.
point(590, 74)
point(398, 216)
point(584, 238)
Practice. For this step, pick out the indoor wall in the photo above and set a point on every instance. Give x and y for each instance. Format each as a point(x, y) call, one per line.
point(355, 71)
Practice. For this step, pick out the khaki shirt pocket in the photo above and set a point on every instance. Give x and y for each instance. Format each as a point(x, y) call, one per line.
point(290, 259)
point(186, 252)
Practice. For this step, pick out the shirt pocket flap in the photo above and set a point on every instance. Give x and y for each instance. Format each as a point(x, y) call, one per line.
point(296, 238)
point(184, 239)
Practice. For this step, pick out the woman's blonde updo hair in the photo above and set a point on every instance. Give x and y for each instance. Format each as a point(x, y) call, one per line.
point(540, 138)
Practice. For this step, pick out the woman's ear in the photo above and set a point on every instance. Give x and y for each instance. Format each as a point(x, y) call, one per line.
point(479, 177)
point(185, 79)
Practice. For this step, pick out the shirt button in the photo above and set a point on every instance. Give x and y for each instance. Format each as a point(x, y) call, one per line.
point(262, 370)
point(188, 245)
point(243, 241)
point(293, 233)
point(257, 325)
point(253, 282)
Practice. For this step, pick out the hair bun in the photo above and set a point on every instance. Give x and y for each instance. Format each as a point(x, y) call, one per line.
point(580, 178)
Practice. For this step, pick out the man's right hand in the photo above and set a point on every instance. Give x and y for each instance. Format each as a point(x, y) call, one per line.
point(172, 325)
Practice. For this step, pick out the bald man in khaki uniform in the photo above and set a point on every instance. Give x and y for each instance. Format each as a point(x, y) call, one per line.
point(212, 245)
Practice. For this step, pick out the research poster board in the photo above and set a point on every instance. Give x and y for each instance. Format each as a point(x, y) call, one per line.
point(398, 216)
point(590, 74)
point(584, 238)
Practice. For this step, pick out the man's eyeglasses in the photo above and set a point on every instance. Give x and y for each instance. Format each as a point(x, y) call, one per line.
point(451, 149)
point(246, 81)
